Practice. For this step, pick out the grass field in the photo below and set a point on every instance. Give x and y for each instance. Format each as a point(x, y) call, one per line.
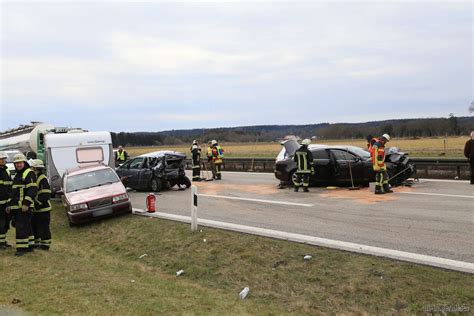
point(95, 269)
point(451, 147)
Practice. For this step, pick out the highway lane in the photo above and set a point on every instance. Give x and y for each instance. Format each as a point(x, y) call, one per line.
point(437, 225)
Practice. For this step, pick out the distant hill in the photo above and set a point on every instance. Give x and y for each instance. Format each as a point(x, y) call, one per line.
point(427, 127)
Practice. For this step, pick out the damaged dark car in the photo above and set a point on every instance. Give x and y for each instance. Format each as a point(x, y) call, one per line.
point(334, 165)
point(155, 171)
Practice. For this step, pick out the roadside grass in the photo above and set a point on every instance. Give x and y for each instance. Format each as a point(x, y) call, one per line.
point(90, 269)
point(451, 147)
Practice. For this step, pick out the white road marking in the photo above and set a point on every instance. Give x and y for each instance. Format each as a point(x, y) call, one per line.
point(439, 262)
point(439, 194)
point(443, 180)
point(255, 200)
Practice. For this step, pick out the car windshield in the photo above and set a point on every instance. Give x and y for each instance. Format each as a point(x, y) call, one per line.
point(90, 179)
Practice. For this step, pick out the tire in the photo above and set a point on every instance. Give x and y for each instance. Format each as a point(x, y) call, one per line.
point(292, 178)
point(185, 181)
point(155, 184)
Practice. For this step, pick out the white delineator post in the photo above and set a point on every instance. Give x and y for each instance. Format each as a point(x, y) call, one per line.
point(194, 208)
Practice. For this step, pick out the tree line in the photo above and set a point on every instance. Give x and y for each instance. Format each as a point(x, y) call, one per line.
point(428, 127)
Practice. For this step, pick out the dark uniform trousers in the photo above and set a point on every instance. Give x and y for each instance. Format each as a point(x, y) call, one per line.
point(40, 225)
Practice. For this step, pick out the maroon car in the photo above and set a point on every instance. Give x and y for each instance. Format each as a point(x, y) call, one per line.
point(93, 192)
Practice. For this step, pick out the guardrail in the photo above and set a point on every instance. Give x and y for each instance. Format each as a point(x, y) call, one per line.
point(426, 167)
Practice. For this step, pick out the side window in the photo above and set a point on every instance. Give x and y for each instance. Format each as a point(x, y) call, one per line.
point(136, 163)
point(341, 155)
point(320, 154)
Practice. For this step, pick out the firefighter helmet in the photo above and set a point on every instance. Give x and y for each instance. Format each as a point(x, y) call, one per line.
point(386, 136)
point(214, 142)
point(37, 163)
point(306, 142)
point(3, 155)
point(19, 158)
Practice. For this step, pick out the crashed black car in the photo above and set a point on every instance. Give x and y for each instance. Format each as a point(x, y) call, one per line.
point(155, 171)
point(333, 165)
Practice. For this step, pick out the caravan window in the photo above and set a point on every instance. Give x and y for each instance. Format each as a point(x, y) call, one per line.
point(89, 154)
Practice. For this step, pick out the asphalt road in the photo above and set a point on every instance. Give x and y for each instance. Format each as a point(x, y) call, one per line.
point(432, 217)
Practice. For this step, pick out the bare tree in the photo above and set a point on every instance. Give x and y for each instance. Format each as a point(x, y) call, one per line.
point(471, 108)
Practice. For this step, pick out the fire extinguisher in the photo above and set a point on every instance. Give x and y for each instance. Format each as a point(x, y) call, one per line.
point(150, 203)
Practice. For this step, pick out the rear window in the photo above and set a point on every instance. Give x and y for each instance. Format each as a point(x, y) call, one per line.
point(85, 155)
point(90, 179)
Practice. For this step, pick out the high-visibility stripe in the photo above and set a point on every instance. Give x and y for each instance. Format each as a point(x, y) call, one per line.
point(15, 186)
point(32, 184)
point(29, 199)
point(44, 191)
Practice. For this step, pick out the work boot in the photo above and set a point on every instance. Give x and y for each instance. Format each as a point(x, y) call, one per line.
point(386, 188)
point(378, 190)
point(3, 247)
point(296, 189)
point(44, 247)
point(19, 253)
point(305, 190)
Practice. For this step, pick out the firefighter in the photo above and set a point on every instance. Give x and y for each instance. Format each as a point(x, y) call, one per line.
point(120, 156)
point(378, 164)
point(469, 153)
point(196, 160)
point(304, 161)
point(217, 156)
point(24, 191)
point(5, 197)
point(210, 160)
point(42, 211)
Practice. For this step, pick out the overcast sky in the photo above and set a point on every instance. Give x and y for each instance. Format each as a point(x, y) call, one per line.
point(151, 66)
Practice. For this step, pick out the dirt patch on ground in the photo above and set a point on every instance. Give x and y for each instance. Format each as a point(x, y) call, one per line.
point(216, 188)
point(364, 196)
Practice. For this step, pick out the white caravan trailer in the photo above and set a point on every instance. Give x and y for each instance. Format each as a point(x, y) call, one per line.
point(73, 150)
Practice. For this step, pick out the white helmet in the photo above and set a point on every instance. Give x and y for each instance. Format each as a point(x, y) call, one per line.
point(19, 158)
point(195, 142)
point(386, 136)
point(37, 163)
point(3, 155)
point(214, 142)
point(306, 142)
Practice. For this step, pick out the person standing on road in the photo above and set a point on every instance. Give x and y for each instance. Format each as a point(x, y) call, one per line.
point(41, 214)
point(304, 161)
point(378, 164)
point(196, 160)
point(469, 153)
point(120, 156)
point(24, 191)
point(217, 158)
point(5, 197)
point(210, 160)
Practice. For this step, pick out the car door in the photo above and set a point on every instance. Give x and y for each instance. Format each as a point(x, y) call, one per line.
point(343, 160)
point(323, 167)
point(134, 170)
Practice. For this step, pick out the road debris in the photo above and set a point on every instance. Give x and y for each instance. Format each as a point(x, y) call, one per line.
point(307, 257)
point(243, 294)
point(180, 272)
point(143, 256)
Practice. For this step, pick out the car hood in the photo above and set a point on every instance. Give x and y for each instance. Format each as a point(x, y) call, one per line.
point(95, 193)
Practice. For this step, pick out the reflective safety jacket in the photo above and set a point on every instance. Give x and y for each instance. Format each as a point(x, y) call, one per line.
point(5, 186)
point(378, 156)
point(209, 153)
point(42, 200)
point(196, 153)
point(303, 158)
point(24, 189)
point(217, 154)
point(370, 145)
point(121, 156)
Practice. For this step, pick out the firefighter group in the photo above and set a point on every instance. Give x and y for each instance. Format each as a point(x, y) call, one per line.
point(215, 159)
point(25, 204)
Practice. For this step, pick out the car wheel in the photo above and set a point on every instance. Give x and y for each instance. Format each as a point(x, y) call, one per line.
point(71, 224)
point(185, 181)
point(155, 184)
point(292, 177)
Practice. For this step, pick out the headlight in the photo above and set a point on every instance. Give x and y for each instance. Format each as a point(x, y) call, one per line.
point(77, 207)
point(121, 197)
